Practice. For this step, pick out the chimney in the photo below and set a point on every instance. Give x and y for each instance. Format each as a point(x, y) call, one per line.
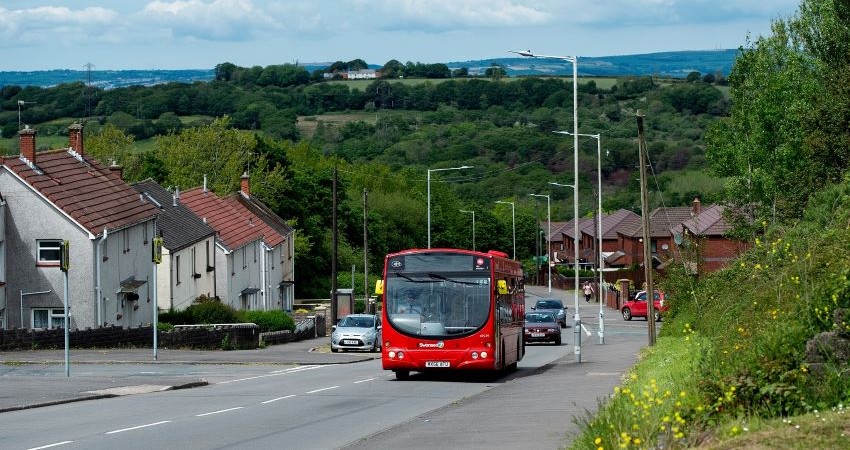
point(696, 207)
point(116, 169)
point(246, 185)
point(75, 138)
point(27, 136)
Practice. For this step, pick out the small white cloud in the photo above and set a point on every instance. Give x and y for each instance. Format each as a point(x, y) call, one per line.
point(443, 15)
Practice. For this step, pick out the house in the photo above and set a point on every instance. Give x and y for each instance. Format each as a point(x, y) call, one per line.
point(187, 270)
point(610, 225)
point(661, 220)
point(565, 238)
point(362, 74)
point(704, 243)
point(254, 251)
point(66, 195)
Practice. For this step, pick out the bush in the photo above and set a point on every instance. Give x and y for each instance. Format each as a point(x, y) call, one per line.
point(176, 317)
point(269, 320)
point(212, 311)
point(164, 326)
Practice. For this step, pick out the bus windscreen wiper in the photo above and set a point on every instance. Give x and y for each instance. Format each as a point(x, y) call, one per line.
point(441, 277)
point(401, 275)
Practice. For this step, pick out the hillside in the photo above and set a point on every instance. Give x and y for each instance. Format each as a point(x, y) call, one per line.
point(668, 64)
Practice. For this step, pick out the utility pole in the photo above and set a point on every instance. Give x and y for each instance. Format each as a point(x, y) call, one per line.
point(366, 249)
point(647, 235)
point(333, 254)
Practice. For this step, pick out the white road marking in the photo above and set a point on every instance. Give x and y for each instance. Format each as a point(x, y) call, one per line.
point(363, 381)
point(273, 374)
point(51, 445)
point(322, 389)
point(219, 412)
point(585, 330)
point(276, 399)
point(138, 427)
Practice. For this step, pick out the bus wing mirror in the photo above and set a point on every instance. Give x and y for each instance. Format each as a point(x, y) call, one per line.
point(502, 287)
point(379, 287)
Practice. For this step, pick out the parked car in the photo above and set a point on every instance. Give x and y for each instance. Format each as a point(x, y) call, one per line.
point(541, 327)
point(554, 306)
point(357, 332)
point(636, 307)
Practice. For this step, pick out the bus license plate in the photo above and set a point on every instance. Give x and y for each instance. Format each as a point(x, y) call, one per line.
point(437, 364)
point(349, 342)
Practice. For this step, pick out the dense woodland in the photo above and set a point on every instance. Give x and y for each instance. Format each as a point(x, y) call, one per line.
point(384, 138)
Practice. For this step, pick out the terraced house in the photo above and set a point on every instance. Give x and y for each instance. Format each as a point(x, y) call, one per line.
point(254, 251)
point(66, 195)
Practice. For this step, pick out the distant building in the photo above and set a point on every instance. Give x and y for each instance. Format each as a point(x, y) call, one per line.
point(363, 74)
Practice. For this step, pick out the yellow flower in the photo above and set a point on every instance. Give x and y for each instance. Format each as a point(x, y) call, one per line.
point(597, 441)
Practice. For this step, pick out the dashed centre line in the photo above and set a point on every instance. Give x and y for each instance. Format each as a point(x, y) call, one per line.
point(276, 399)
point(322, 389)
point(138, 427)
point(219, 411)
point(363, 381)
point(51, 445)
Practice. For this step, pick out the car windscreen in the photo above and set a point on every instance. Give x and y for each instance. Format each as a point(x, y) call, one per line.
point(357, 322)
point(549, 304)
point(539, 318)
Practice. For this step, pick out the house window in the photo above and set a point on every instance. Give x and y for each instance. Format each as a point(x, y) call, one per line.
point(48, 318)
point(208, 256)
point(177, 268)
point(194, 272)
point(48, 252)
point(283, 252)
point(145, 242)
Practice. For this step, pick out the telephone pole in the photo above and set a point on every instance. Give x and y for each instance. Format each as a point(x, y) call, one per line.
point(647, 235)
point(366, 249)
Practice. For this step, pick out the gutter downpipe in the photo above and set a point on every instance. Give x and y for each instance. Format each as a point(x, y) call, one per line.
point(98, 288)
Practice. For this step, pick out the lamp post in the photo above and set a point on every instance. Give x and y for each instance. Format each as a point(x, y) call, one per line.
point(429, 195)
point(548, 237)
point(513, 221)
point(473, 226)
point(599, 259)
point(574, 60)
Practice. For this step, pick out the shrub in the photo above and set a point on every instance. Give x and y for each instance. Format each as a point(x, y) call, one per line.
point(269, 320)
point(359, 306)
point(164, 326)
point(212, 311)
point(176, 317)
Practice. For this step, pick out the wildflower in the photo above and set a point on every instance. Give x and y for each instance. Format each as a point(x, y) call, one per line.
point(597, 441)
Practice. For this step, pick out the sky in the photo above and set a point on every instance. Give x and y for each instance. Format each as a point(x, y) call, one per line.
point(199, 34)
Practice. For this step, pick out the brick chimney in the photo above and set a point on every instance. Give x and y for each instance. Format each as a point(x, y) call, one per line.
point(116, 169)
point(696, 207)
point(27, 136)
point(75, 138)
point(246, 185)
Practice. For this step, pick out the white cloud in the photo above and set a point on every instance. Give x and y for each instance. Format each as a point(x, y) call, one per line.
point(52, 24)
point(229, 20)
point(443, 15)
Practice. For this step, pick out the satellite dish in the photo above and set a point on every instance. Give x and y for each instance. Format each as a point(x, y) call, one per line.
point(677, 238)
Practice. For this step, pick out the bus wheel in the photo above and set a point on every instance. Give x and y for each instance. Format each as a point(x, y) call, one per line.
point(402, 374)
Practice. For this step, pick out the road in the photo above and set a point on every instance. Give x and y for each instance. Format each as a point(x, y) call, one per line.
point(309, 406)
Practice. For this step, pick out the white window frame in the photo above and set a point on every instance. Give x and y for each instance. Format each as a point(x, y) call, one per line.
point(53, 314)
point(48, 245)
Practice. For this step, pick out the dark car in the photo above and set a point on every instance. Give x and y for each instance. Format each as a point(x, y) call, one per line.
point(636, 307)
point(541, 327)
point(554, 306)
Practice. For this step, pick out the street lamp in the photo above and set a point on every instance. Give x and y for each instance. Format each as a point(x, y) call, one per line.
point(600, 261)
point(574, 60)
point(473, 226)
point(429, 195)
point(513, 221)
point(548, 237)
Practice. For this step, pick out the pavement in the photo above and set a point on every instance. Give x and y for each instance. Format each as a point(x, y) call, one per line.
point(548, 399)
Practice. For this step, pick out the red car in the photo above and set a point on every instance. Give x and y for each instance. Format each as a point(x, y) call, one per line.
point(636, 307)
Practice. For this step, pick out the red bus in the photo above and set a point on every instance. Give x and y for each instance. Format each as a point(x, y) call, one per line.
point(451, 309)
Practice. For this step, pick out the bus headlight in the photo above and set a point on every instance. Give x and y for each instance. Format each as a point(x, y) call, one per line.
point(391, 354)
point(483, 354)
point(474, 355)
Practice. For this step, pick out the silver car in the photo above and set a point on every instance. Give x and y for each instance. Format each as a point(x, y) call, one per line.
point(357, 332)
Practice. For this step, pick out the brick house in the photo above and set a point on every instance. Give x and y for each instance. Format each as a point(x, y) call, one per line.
point(661, 220)
point(66, 194)
point(610, 224)
point(704, 244)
